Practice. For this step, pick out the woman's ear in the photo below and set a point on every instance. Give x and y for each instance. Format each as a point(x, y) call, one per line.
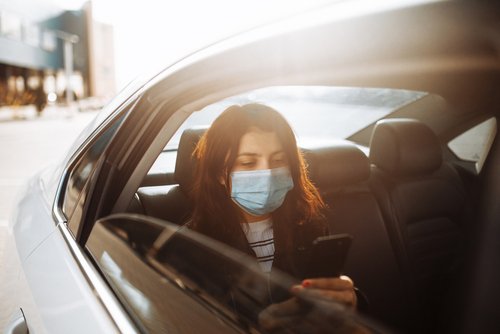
point(222, 180)
point(225, 180)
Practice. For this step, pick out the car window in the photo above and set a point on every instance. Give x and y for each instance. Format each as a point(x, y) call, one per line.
point(175, 280)
point(317, 114)
point(81, 172)
point(474, 144)
point(122, 250)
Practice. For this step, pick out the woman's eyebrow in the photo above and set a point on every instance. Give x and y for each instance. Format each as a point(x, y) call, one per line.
point(248, 154)
point(278, 152)
point(258, 154)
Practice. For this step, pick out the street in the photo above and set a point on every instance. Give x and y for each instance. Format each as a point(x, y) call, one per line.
point(27, 143)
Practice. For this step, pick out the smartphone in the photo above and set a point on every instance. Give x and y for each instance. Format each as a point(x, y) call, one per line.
point(328, 255)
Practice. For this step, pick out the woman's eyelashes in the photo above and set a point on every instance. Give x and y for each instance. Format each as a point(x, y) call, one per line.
point(279, 161)
point(247, 164)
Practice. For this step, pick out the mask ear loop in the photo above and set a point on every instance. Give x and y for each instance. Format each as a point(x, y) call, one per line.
point(227, 182)
point(225, 178)
point(222, 180)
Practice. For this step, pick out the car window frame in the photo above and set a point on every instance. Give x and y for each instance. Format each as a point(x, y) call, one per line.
point(57, 208)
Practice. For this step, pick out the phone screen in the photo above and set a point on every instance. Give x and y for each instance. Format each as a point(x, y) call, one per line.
point(328, 255)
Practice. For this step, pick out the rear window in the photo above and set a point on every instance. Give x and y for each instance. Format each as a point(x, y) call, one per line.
point(316, 113)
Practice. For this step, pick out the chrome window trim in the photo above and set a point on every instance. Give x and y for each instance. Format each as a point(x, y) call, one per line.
point(107, 299)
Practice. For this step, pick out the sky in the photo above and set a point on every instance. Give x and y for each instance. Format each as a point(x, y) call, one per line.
point(152, 33)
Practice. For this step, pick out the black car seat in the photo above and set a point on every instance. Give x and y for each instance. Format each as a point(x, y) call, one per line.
point(422, 200)
point(341, 173)
point(171, 202)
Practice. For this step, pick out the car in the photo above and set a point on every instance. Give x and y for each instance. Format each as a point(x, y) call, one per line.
point(395, 108)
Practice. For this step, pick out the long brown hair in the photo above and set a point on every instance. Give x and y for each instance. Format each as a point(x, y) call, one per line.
point(215, 213)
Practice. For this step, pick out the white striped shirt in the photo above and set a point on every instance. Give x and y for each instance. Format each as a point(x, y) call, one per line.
point(260, 237)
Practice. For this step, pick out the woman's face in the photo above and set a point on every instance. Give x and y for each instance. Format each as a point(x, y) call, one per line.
point(259, 150)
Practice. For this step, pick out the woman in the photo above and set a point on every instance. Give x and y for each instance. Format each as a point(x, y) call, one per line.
point(252, 192)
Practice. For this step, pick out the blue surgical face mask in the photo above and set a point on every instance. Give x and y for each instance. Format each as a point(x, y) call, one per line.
point(260, 192)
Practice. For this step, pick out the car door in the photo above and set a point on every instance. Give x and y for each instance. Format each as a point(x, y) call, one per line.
point(55, 269)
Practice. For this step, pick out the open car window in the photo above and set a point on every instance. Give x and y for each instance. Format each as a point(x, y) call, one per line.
point(174, 280)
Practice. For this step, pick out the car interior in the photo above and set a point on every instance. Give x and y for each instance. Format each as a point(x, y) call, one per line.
point(407, 203)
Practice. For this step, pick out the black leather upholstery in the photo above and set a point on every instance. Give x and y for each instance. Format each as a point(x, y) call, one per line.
point(405, 147)
point(341, 172)
point(422, 201)
point(185, 164)
point(171, 202)
point(337, 165)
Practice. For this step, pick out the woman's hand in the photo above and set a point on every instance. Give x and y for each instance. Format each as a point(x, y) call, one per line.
point(315, 307)
point(286, 314)
point(323, 315)
point(340, 289)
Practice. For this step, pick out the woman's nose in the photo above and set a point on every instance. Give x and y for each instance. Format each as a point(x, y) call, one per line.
point(264, 164)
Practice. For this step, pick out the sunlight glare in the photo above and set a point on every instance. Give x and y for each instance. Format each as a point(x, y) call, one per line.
point(151, 33)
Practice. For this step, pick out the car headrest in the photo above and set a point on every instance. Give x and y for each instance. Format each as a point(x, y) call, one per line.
point(405, 147)
point(338, 165)
point(185, 165)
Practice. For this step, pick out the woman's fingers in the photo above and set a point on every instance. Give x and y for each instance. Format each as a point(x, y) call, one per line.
point(339, 289)
point(289, 306)
point(340, 283)
point(347, 297)
point(280, 315)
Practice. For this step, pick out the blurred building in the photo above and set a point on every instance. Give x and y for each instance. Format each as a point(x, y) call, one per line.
point(43, 47)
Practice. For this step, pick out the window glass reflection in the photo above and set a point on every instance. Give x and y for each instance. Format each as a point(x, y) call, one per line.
point(84, 168)
point(172, 279)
